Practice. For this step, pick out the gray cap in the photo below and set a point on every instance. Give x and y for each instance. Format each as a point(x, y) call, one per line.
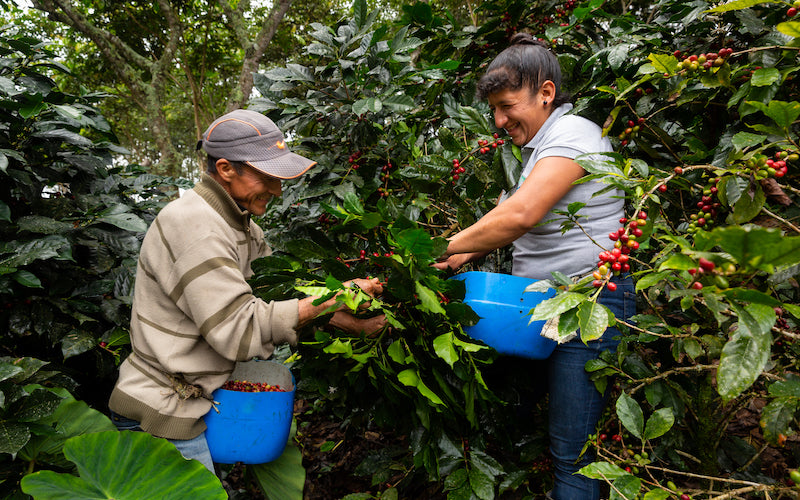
point(252, 138)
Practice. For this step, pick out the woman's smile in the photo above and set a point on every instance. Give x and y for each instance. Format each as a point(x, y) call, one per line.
point(518, 112)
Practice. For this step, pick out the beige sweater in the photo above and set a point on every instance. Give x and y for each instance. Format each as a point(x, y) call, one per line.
point(194, 313)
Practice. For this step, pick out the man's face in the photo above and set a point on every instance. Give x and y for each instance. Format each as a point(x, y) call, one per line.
point(252, 189)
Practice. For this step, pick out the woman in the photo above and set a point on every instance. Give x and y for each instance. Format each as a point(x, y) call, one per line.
point(522, 86)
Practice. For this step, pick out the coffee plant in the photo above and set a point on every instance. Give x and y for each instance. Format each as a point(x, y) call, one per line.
point(700, 101)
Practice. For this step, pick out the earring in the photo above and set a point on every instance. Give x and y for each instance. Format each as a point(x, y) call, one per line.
point(544, 102)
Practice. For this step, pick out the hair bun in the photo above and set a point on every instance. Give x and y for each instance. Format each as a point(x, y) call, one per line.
point(527, 39)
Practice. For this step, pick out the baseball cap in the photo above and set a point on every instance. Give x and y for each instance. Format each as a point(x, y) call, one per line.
point(252, 138)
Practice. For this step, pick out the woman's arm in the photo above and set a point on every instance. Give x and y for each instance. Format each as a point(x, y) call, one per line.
point(550, 180)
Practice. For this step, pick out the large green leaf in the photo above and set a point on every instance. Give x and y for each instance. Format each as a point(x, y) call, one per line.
point(739, 5)
point(125, 465)
point(790, 28)
point(748, 205)
point(410, 378)
point(427, 299)
point(126, 221)
point(13, 436)
point(782, 112)
point(557, 305)
point(284, 478)
point(443, 346)
point(71, 418)
point(630, 415)
point(757, 247)
point(25, 252)
point(625, 487)
point(659, 423)
point(416, 241)
point(603, 470)
point(593, 319)
point(747, 352)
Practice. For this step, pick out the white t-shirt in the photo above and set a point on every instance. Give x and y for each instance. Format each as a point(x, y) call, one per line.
point(544, 248)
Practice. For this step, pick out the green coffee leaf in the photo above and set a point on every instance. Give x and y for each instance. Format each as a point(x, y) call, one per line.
point(659, 423)
point(603, 471)
point(411, 378)
point(560, 303)
point(443, 346)
point(783, 113)
point(791, 28)
point(747, 352)
point(739, 5)
point(593, 319)
point(630, 415)
point(625, 487)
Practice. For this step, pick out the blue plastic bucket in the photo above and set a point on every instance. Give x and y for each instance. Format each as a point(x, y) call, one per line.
point(503, 305)
point(251, 427)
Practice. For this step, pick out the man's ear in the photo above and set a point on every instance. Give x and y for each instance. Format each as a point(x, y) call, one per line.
point(226, 170)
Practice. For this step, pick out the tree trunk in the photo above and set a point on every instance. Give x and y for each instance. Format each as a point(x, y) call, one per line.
point(254, 51)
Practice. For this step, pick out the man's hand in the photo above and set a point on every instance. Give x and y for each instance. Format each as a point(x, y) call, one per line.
point(307, 311)
point(356, 326)
point(372, 287)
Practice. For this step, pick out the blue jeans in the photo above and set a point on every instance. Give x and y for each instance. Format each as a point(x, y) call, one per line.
point(575, 404)
point(191, 449)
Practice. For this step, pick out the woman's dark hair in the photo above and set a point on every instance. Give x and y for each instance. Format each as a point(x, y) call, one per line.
point(211, 166)
point(526, 62)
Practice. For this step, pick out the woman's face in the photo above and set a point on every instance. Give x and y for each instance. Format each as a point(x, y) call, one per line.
point(520, 112)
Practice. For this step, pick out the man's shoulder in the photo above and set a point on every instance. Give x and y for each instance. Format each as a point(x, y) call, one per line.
point(187, 213)
point(187, 202)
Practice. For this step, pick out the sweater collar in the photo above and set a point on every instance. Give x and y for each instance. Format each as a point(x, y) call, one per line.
point(219, 199)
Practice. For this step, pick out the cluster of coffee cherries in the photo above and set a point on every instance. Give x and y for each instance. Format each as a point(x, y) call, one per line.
point(353, 160)
point(615, 261)
point(694, 63)
point(707, 208)
point(631, 130)
point(484, 146)
point(245, 386)
point(457, 169)
point(362, 254)
point(773, 167)
point(563, 12)
point(385, 172)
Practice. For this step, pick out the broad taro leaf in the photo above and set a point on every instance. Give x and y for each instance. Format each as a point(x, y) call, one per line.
point(71, 418)
point(284, 477)
point(125, 465)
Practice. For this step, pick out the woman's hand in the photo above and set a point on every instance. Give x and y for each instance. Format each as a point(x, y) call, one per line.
point(457, 260)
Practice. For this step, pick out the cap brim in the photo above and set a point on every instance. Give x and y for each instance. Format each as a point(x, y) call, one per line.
point(287, 166)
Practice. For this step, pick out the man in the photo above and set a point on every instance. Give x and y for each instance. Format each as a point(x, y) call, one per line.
point(194, 314)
